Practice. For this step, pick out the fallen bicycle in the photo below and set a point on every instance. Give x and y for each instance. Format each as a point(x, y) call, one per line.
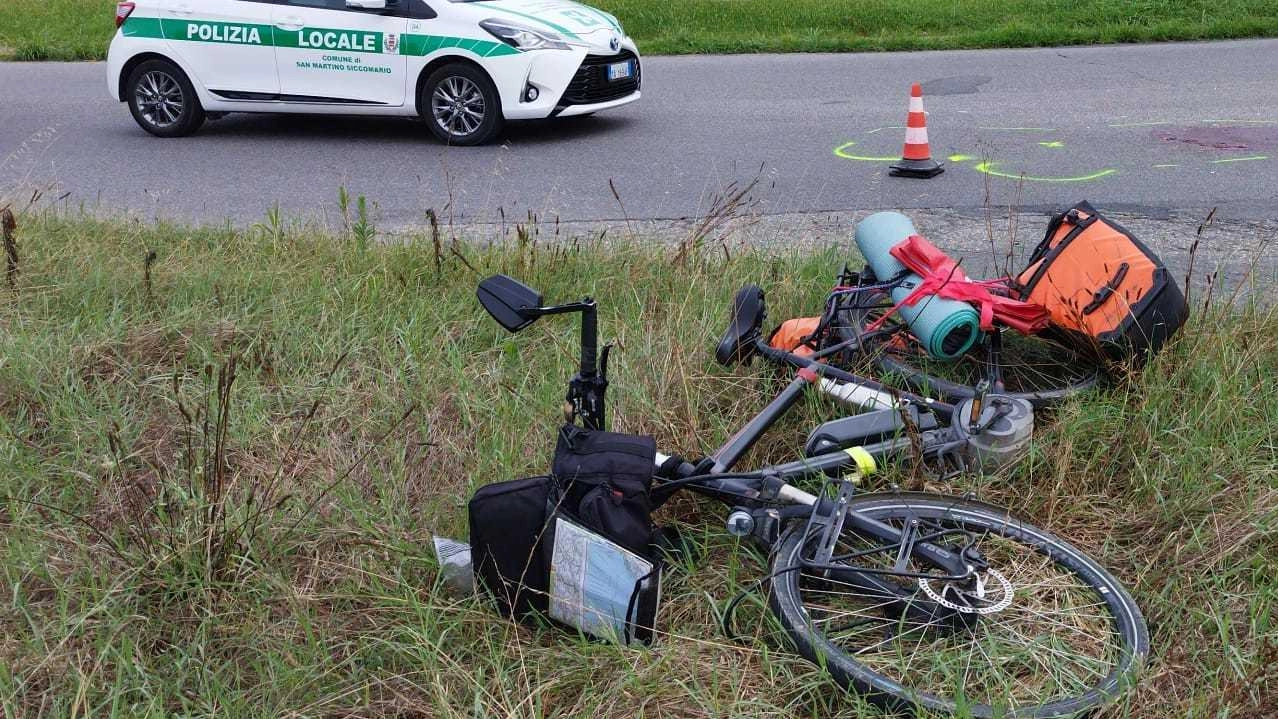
point(915, 599)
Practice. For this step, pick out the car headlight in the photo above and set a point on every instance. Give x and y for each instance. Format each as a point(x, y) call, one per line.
point(523, 38)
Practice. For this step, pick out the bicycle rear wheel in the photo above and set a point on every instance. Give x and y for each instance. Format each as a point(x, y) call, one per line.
point(1034, 368)
point(1047, 633)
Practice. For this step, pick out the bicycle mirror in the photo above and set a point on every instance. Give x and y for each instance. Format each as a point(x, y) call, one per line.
point(512, 303)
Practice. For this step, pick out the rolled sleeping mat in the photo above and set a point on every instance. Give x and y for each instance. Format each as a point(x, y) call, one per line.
point(947, 328)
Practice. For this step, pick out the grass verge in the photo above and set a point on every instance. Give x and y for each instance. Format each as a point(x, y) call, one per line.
point(81, 29)
point(56, 29)
point(726, 26)
point(175, 542)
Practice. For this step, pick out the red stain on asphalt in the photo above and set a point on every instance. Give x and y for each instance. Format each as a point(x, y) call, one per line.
point(1215, 137)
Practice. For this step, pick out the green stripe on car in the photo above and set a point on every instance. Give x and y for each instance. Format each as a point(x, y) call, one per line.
point(196, 31)
point(606, 17)
point(330, 39)
point(421, 45)
point(317, 38)
point(588, 16)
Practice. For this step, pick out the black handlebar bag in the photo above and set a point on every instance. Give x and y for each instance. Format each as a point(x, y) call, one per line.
point(575, 547)
point(606, 481)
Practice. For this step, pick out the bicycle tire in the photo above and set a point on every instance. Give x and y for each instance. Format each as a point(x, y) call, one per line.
point(786, 600)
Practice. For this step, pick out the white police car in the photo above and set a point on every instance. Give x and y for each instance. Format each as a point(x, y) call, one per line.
point(465, 66)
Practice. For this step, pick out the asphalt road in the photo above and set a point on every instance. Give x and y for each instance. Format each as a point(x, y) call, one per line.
point(1150, 130)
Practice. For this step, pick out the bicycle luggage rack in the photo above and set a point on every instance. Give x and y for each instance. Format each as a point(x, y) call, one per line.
point(845, 489)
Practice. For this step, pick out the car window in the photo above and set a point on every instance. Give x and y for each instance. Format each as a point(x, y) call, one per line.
point(321, 4)
point(419, 9)
point(411, 8)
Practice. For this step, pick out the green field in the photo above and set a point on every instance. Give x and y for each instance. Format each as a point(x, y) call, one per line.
point(371, 396)
point(81, 29)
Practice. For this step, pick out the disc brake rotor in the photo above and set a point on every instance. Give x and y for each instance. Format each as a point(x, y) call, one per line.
point(982, 595)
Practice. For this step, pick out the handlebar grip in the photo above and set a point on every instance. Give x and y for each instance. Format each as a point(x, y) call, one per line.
point(589, 342)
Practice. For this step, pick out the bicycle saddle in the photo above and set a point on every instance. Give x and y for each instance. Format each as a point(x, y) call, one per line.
point(748, 313)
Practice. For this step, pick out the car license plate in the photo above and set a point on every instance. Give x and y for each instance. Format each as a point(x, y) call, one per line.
point(619, 71)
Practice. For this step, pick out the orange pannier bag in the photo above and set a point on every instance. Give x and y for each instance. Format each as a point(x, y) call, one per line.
point(1102, 287)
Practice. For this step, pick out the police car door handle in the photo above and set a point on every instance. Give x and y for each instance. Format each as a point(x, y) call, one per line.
point(292, 22)
point(182, 9)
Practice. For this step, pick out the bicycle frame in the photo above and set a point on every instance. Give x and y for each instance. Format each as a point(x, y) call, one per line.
point(772, 485)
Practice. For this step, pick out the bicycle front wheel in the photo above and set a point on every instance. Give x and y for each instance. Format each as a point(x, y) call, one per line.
point(1043, 630)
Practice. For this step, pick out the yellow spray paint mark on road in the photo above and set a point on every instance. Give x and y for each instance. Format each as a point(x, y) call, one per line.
point(1141, 124)
point(842, 151)
point(1240, 159)
point(989, 169)
point(1241, 122)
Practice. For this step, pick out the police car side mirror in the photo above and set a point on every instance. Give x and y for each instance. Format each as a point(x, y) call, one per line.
point(369, 4)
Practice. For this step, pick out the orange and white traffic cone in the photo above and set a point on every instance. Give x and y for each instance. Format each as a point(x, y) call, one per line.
point(916, 160)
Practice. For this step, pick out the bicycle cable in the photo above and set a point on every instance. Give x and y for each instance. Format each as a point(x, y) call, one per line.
point(670, 486)
point(731, 610)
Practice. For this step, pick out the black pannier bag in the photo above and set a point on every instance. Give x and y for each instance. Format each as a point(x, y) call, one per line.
point(508, 527)
point(575, 547)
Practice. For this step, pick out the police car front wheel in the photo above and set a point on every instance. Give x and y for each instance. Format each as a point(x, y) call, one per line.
point(162, 99)
point(461, 105)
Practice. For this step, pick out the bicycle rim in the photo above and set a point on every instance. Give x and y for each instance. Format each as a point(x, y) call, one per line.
point(1069, 639)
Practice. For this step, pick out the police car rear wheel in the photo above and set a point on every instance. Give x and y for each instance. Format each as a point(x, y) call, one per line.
point(461, 105)
point(162, 100)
